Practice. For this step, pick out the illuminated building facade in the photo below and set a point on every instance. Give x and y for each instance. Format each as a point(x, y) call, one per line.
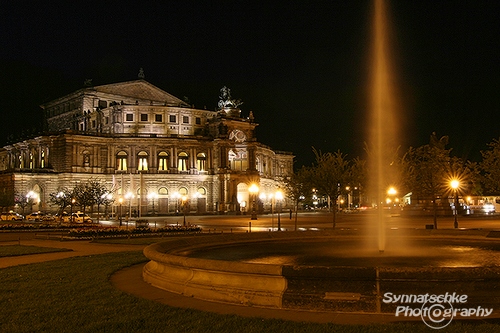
point(141, 140)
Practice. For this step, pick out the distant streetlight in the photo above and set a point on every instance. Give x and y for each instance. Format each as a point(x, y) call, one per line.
point(253, 189)
point(391, 193)
point(455, 184)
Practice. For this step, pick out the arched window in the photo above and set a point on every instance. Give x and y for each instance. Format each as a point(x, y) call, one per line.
point(182, 161)
point(31, 161)
point(163, 191)
point(183, 191)
point(202, 191)
point(142, 161)
point(163, 161)
point(201, 162)
point(121, 161)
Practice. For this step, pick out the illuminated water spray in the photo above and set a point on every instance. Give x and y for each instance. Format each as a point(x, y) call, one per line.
point(382, 127)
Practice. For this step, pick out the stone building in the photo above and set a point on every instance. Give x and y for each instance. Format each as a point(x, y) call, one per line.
point(150, 148)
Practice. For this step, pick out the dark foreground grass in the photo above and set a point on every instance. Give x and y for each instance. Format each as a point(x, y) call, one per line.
point(21, 250)
point(75, 295)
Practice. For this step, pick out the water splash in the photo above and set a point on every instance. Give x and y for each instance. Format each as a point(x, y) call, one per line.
point(383, 125)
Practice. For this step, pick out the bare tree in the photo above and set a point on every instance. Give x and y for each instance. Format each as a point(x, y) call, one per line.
point(330, 175)
point(296, 187)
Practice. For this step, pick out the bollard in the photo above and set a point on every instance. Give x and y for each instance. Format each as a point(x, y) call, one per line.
point(249, 226)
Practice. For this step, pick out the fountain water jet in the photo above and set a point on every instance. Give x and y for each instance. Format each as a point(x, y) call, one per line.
point(383, 125)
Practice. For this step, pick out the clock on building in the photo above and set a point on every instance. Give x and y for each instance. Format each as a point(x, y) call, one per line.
point(237, 135)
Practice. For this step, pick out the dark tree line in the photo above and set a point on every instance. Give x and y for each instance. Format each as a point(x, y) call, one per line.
point(425, 171)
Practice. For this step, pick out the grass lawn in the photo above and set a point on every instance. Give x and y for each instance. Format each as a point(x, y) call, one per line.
point(75, 295)
point(21, 250)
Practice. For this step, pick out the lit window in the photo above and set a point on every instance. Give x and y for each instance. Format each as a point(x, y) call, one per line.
point(201, 161)
point(163, 161)
point(182, 162)
point(142, 161)
point(121, 161)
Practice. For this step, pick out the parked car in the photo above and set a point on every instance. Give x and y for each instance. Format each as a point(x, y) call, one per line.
point(35, 216)
point(63, 217)
point(11, 216)
point(40, 217)
point(79, 217)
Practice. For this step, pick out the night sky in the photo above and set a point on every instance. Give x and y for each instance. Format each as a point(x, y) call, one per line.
point(302, 67)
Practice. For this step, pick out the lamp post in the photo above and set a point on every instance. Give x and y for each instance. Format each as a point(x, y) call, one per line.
point(32, 198)
point(348, 188)
point(184, 207)
point(72, 204)
point(120, 200)
point(129, 196)
point(253, 189)
point(391, 192)
point(279, 197)
point(454, 184)
point(176, 196)
point(152, 196)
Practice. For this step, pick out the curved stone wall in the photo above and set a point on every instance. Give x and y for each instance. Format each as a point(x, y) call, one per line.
point(326, 288)
point(216, 280)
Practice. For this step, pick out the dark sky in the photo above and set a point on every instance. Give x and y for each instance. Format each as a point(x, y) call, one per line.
point(300, 66)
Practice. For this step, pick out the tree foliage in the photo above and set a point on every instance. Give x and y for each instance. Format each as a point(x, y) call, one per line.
point(490, 168)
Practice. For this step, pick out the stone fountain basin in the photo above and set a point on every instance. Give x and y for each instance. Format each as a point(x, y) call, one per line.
point(339, 270)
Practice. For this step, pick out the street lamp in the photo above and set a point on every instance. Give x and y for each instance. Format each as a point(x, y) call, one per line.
point(129, 196)
point(120, 200)
point(455, 184)
point(32, 199)
point(279, 197)
point(184, 208)
point(72, 204)
point(253, 189)
point(176, 196)
point(348, 188)
point(152, 196)
point(391, 192)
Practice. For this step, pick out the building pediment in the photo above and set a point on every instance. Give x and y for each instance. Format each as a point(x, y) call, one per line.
point(140, 90)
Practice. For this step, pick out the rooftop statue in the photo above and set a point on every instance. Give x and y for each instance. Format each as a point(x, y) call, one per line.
point(225, 100)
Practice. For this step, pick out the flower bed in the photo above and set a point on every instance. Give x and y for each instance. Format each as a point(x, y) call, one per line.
point(117, 232)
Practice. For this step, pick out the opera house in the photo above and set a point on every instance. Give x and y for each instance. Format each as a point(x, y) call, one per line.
point(143, 142)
